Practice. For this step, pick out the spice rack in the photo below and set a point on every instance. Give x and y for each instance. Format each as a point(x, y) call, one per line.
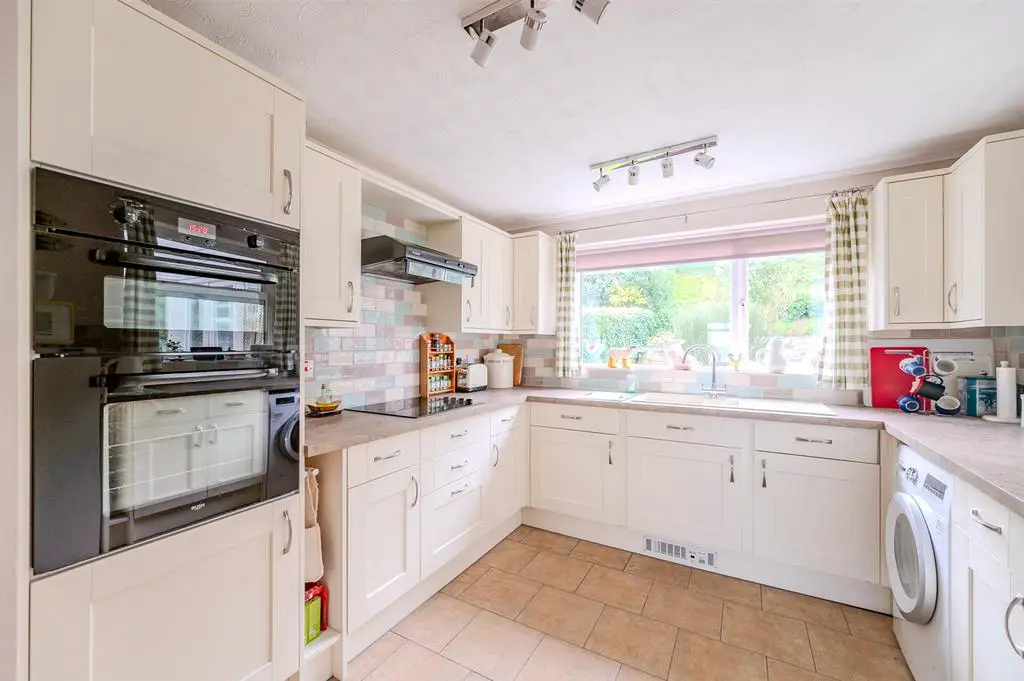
point(437, 364)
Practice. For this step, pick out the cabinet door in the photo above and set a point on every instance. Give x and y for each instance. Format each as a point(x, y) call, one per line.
point(474, 247)
point(914, 231)
point(991, 584)
point(383, 543)
point(965, 234)
point(236, 447)
point(503, 479)
point(688, 493)
point(505, 275)
point(959, 603)
point(119, 95)
point(578, 474)
point(199, 605)
point(288, 590)
point(526, 283)
point(453, 518)
point(818, 514)
point(331, 235)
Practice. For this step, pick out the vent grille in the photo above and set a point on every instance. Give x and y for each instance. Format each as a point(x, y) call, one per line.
point(680, 553)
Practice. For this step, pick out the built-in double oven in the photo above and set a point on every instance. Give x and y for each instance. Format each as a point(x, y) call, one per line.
point(165, 378)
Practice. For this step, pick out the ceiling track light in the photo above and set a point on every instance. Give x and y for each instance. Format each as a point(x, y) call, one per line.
point(634, 173)
point(601, 181)
point(485, 22)
point(591, 9)
point(664, 155)
point(484, 45)
point(533, 22)
point(668, 167)
point(704, 159)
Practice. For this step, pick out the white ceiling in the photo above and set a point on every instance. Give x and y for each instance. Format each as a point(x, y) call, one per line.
point(794, 88)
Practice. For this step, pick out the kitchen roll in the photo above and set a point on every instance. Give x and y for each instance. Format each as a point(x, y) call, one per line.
point(1006, 392)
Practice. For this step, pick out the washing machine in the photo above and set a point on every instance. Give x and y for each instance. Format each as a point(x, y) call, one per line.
point(917, 547)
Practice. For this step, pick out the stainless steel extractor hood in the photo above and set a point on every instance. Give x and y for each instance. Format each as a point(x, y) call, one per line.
point(385, 256)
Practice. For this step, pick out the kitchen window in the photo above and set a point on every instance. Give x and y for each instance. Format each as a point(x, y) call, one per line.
point(760, 313)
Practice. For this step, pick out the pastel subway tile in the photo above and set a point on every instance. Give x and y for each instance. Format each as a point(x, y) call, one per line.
point(351, 344)
point(764, 380)
point(327, 373)
point(365, 357)
point(352, 399)
point(339, 358)
point(372, 317)
point(797, 381)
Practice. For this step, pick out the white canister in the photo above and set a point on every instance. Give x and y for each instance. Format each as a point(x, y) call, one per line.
point(499, 369)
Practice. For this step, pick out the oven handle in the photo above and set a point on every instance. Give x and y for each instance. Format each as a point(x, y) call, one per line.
point(141, 262)
point(198, 376)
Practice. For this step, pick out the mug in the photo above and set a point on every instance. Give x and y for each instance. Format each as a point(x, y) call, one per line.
point(928, 387)
point(909, 404)
point(943, 367)
point(947, 405)
point(913, 366)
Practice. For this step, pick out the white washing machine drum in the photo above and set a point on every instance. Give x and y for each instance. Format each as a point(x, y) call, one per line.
point(910, 555)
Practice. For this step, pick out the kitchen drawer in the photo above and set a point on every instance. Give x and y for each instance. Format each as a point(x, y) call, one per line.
point(701, 430)
point(172, 409)
point(226, 404)
point(383, 457)
point(859, 445)
point(509, 418)
point(573, 417)
point(450, 467)
point(452, 435)
point(972, 510)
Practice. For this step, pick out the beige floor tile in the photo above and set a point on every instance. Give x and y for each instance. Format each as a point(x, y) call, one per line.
point(639, 642)
point(435, 623)
point(780, 671)
point(561, 572)
point(699, 658)
point(556, 543)
point(762, 632)
point(659, 570)
point(728, 588)
point(473, 676)
point(413, 661)
point(630, 674)
point(848, 658)
point(371, 658)
point(509, 556)
point(493, 646)
point(457, 586)
point(685, 608)
point(556, 660)
point(615, 559)
point(616, 588)
point(520, 533)
point(501, 592)
point(870, 625)
point(568, 616)
point(804, 608)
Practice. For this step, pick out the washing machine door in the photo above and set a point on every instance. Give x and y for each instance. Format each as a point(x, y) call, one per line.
point(910, 556)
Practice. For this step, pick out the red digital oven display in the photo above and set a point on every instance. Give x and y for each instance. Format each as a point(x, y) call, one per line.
point(200, 229)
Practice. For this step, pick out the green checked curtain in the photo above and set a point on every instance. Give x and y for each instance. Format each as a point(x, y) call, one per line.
point(567, 338)
point(844, 360)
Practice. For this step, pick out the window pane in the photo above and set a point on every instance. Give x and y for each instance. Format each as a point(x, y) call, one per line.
point(656, 310)
point(786, 304)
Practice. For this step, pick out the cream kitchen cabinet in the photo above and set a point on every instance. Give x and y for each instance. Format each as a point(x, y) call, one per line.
point(500, 261)
point(123, 93)
point(905, 263)
point(684, 493)
point(331, 235)
point(453, 518)
point(579, 474)
point(228, 593)
point(505, 477)
point(383, 542)
point(533, 298)
point(818, 514)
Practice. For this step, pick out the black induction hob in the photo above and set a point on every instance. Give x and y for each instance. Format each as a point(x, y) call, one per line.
point(416, 407)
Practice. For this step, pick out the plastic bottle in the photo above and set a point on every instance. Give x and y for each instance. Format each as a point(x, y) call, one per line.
point(631, 382)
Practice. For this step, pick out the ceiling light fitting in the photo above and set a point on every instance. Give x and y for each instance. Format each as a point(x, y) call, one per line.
point(664, 155)
point(591, 9)
point(532, 25)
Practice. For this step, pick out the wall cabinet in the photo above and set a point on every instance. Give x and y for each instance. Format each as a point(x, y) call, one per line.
point(818, 514)
point(498, 294)
point(579, 474)
point(331, 235)
point(535, 278)
point(122, 93)
point(383, 542)
point(684, 492)
point(229, 594)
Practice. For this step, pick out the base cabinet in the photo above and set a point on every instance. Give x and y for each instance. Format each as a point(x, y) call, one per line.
point(453, 518)
point(383, 542)
point(579, 474)
point(818, 514)
point(221, 602)
point(505, 478)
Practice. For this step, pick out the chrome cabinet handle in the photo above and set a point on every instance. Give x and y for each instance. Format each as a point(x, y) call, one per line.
point(508, 316)
point(456, 436)
point(732, 468)
point(533, 316)
point(351, 295)
point(288, 201)
point(764, 472)
point(236, 403)
point(610, 452)
point(508, 420)
point(396, 453)
point(811, 440)
point(572, 418)
point(170, 412)
point(1017, 601)
point(456, 492)
point(976, 517)
point(288, 546)
point(497, 456)
point(671, 427)
point(457, 466)
point(416, 499)
point(949, 297)
point(956, 289)
point(896, 291)
point(469, 311)
point(197, 437)
point(214, 433)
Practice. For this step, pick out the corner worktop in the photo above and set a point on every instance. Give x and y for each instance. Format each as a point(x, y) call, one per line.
point(989, 456)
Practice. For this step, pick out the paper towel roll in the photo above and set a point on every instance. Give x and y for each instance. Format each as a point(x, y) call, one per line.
point(1006, 391)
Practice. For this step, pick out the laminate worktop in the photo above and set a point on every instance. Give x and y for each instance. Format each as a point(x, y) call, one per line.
point(989, 456)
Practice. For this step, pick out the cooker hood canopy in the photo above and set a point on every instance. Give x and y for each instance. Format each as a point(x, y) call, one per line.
point(388, 257)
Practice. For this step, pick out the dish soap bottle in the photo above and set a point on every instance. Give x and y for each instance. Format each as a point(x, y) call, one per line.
point(631, 382)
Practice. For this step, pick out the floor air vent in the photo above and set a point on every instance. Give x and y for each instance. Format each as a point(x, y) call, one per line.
point(688, 555)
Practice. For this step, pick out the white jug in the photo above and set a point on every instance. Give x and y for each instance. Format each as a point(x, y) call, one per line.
point(771, 356)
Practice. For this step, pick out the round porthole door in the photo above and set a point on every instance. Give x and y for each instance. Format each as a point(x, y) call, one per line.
point(910, 556)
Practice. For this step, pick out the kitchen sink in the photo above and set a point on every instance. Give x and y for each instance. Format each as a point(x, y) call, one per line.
point(608, 396)
point(738, 403)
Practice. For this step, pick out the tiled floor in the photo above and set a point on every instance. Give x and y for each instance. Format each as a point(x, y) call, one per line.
point(545, 607)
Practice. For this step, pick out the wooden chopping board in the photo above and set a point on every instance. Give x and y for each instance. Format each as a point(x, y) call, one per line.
point(516, 350)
